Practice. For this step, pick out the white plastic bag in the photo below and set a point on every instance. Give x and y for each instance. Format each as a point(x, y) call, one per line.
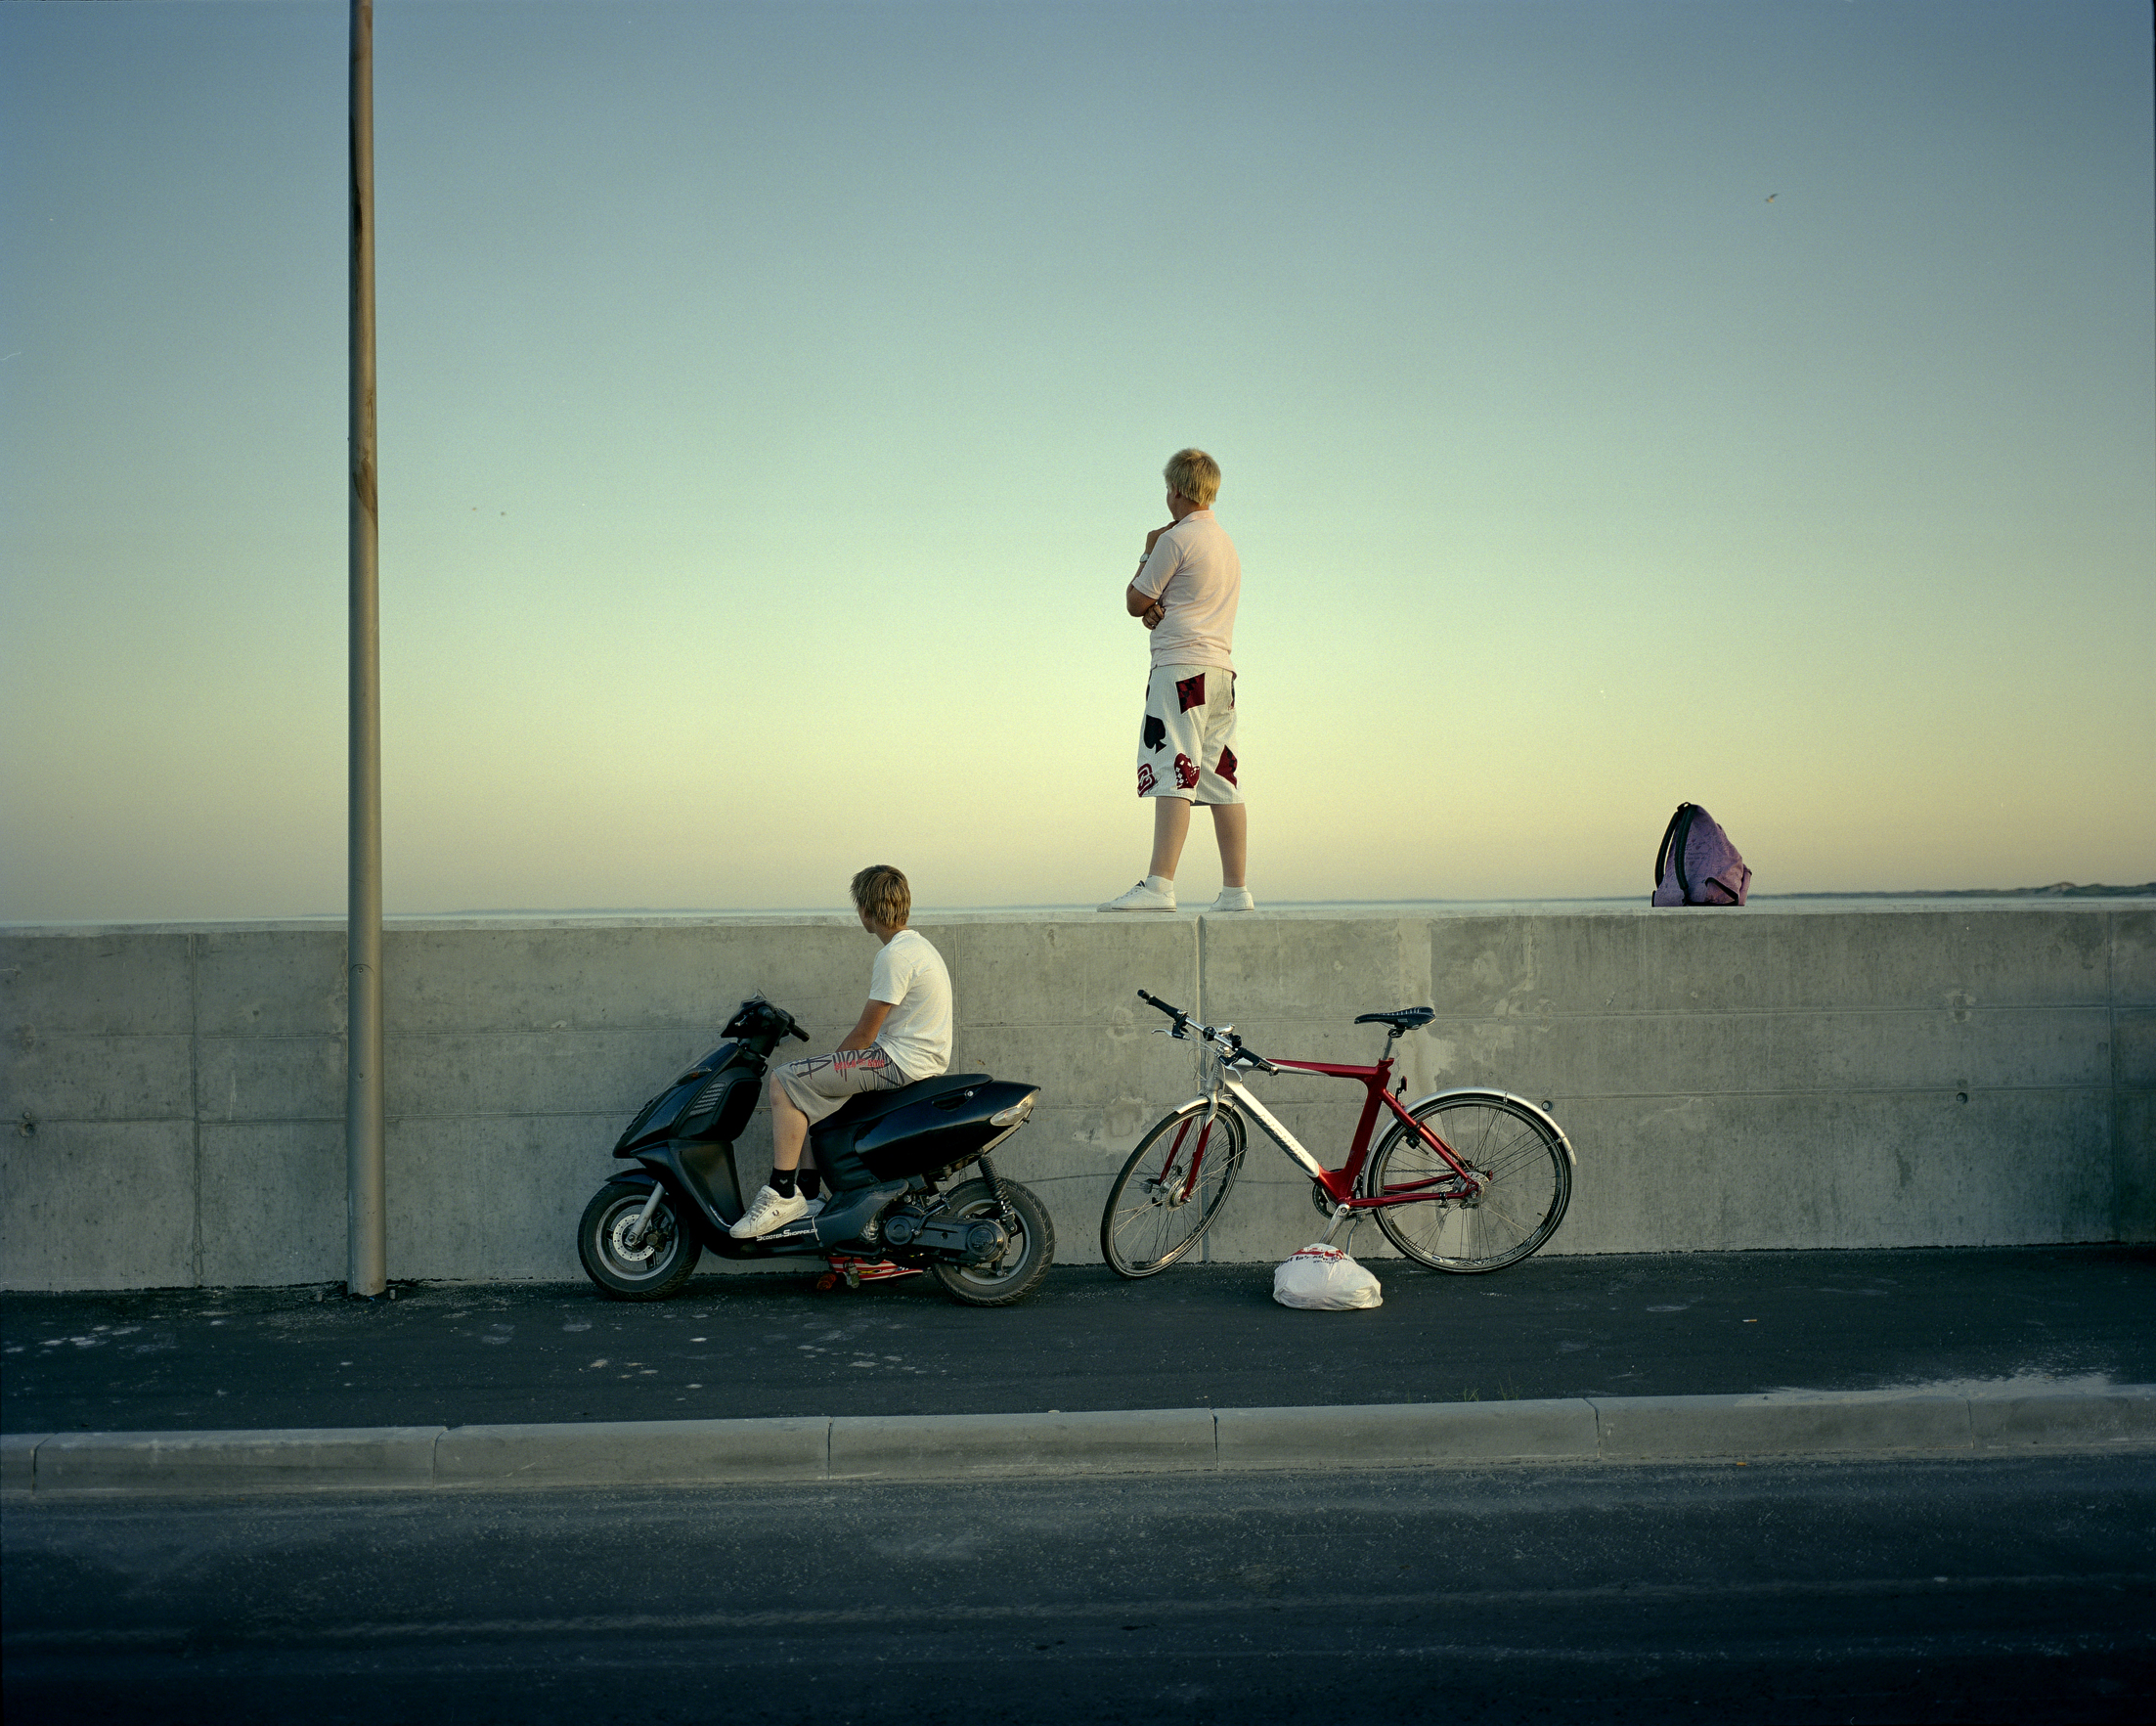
point(1324, 1279)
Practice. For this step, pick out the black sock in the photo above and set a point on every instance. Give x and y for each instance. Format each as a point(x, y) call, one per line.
point(810, 1182)
point(782, 1182)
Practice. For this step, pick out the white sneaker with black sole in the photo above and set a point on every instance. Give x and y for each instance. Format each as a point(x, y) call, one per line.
point(1144, 897)
point(768, 1211)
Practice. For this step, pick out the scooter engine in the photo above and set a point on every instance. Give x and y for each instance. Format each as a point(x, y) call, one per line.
point(969, 1240)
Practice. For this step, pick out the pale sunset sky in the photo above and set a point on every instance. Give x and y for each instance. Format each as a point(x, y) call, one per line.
point(1619, 402)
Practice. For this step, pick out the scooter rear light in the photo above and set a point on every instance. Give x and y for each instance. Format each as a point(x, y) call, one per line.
point(1017, 1112)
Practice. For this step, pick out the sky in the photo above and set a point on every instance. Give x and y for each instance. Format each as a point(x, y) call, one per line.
point(1618, 403)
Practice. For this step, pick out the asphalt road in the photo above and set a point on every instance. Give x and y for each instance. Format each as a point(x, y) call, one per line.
point(1903, 1590)
point(1196, 1335)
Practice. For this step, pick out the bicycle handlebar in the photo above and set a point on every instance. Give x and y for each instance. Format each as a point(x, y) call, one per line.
point(1184, 1024)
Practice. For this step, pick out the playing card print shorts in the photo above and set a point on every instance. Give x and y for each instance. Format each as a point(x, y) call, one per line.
point(1186, 747)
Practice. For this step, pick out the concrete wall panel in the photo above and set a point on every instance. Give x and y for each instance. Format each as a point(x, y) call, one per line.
point(521, 1072)
point(1651, 1055)
point(262, 983)
point(99, 1205)
point(1082, 975)
point(2133, 1048)
point(1709, 962)
point(91, 1077)
point(642, 976)
point(1838, 1171)
point(1768, 1077)
point(122, 983)
point(478, 1198)
point(2132, 958)
point(273, 1202)
point(2134, 1165)
point(271, 1078)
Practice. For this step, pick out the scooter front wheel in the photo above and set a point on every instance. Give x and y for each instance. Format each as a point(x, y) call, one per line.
point(1026, 1260)
point(649, 1268)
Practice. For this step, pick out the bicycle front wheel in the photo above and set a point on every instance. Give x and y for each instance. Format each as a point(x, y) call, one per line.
point(1524, 1176)
point(1170, 1190)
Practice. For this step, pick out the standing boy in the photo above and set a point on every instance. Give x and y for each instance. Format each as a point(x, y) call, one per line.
point(904, 1034)
point(1185, 592)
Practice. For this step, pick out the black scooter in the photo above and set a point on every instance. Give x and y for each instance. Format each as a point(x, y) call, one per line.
point(989, 1241)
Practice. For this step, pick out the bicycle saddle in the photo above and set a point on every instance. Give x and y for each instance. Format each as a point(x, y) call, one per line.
point(1403, 1019)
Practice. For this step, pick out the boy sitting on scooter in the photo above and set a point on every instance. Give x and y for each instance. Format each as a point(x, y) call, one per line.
point(903, 1035)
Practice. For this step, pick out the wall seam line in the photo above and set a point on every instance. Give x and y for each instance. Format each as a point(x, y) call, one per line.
point(1205, 1240)
point(194, 1103)
point(2114, 1116)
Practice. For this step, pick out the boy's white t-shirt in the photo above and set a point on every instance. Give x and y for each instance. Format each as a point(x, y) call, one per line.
point(1197, 579)
point(909, 975)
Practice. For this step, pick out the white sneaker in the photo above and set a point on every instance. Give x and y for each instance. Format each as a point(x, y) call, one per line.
point(1143, 897)
point(768, 1212)
point(1234, 899)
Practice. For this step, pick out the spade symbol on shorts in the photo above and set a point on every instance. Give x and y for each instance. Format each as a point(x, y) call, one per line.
point(1155, 735)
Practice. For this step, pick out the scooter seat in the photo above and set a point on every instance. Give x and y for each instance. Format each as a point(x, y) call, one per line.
point(858, 1111)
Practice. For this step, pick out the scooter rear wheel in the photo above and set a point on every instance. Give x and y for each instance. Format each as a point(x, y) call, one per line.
point(1024, 1262)
point(656, 1266)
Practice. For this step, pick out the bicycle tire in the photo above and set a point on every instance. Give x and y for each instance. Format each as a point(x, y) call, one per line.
point(1527, 1183)
point(1145, 1230)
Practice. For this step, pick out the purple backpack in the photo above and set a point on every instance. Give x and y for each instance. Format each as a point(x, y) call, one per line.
point(1696, 863)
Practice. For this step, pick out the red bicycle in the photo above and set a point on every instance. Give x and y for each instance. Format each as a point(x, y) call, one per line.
point(1462, 1180)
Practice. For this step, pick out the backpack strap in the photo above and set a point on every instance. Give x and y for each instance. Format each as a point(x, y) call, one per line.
point(1679, 830)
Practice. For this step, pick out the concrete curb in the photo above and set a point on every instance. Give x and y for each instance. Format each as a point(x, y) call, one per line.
point(978, 1447)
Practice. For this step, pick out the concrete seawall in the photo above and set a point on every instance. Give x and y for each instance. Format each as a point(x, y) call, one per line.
point(1757, 1078)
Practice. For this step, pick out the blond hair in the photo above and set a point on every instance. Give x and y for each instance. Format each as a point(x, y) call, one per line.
point(1194, 474)
point(882, 896)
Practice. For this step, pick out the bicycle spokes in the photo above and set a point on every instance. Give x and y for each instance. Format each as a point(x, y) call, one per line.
point(1169, 1191)
point(1513, 1195)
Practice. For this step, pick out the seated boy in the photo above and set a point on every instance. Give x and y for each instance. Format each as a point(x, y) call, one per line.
point(904, 1034)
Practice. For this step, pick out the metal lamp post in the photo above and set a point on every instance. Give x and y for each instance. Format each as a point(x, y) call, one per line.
point(366, 1262)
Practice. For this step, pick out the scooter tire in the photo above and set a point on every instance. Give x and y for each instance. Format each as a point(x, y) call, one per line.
point(651, 1274)
point(1020, 1270)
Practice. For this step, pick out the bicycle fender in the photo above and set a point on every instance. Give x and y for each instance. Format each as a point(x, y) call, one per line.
point(1476, 1090)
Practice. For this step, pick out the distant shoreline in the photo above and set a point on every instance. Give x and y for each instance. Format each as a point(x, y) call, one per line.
point(2057, 890)
point(2063, 890)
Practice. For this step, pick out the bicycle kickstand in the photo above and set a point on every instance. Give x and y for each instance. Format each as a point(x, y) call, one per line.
point(1342, 1214)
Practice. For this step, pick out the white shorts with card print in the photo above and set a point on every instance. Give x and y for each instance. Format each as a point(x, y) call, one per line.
point(1186, 747)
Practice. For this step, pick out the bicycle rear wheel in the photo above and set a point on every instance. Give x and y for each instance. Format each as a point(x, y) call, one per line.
point(1524, 1175)
point(1170, 1190)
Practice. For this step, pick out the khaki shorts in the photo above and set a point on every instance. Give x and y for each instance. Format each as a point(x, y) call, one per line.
point(819, 1085)
point(1186, 745)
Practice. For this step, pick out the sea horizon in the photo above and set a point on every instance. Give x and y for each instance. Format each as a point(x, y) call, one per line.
point(1875, 898)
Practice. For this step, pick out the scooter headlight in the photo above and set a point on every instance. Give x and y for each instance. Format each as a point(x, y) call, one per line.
point(1017, 1112)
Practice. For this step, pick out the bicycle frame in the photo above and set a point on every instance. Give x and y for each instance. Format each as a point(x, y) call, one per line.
point(1339, 1183)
